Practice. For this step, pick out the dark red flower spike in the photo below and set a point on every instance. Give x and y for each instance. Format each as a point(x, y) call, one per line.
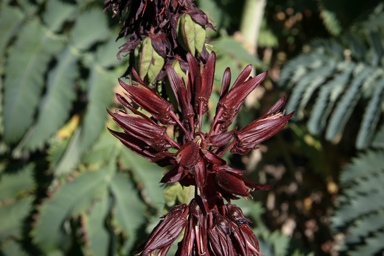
point(210, 227)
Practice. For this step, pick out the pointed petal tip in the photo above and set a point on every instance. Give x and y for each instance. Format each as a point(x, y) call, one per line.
point(109, 112)
point(291, 114)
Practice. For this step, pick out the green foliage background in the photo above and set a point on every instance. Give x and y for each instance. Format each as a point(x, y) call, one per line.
point(67, 187)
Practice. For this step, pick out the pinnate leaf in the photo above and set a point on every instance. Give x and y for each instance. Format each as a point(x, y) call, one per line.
point(56, 104)
point(129, 209)
point(25, 68)
point(69, 200)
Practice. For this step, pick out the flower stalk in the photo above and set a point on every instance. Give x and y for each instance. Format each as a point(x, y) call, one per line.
point(210, 225)
point(169, 34)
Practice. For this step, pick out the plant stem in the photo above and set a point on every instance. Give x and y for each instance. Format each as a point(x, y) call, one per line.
point(250, 24)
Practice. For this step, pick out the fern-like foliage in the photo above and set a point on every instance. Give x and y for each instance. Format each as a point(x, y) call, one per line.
point(335, 76)
point(339, 15)
point(360, 213)
point(58, 73)
point(15, 206)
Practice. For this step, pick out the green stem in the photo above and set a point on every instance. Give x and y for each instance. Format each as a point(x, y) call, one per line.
point(251, 21)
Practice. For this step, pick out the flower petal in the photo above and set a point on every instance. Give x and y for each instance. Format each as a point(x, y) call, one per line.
point(221, 139)
point(188, 155)
point(147, 99)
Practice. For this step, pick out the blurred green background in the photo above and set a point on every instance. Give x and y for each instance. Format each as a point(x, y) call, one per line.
point(67, 187)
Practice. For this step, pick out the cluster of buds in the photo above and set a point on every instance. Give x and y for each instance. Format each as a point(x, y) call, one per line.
point(161, 32)
point(222, 231)
point(211, 227)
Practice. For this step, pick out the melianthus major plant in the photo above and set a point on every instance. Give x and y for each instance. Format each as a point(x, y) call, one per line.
point(211, 226)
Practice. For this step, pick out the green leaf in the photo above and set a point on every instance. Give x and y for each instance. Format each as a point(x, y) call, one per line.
point(357, 47)
point(12, 248)
point(13, 183)
point(267, 38)
point(376, 40)
point(102, 150)
point(373, 246)
point(221, 64)
point(273, 244)
point(56, 150)
point(95, 233)
point(177, 67)
point(378, 142)
point(12, 217)
point(100, 96)
point(56, 13)
point(362, 227)
point(310, 81)
point(229, 46)
point(187, 34)
point(371, 116)
point(66, 160)
point(199, 37)
point(177, 194)
point(10, 19)
point(128, 208)
point(56, 104)
point(29, 8)
point(371, 162)
point(69, 200)
point(360, 211)
point(146, 173)
point(346, 105)
point(145, 57)
point(295, 70)
point(331, 22)
point(1, 116)
point(157, 64)
point(150, 62)
point(329, 93)
point(106, 53)
point(322, 75)
point(27, 62)
point(90, 28)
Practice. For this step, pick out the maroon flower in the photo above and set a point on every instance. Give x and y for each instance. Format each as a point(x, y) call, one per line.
point(166, 232)
point(212, 226)
point(147, 99)
point(230, 184)
point(261, 129)
point(224, 231)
